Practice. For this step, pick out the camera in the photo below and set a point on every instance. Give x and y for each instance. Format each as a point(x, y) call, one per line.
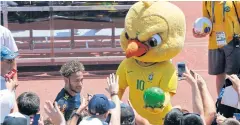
point(236, 40)
point(228, 82)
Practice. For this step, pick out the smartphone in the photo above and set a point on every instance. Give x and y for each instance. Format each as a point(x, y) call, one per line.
point(35, 119)
point(227, 82)
point(181, 69)
point(237, 115)
point(10, 74)
point(108, 118)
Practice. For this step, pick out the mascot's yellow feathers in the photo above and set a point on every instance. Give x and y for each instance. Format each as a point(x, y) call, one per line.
point(147, 3)
point(148, 19)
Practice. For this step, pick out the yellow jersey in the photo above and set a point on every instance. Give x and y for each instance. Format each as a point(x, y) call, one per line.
point(230, 25)
point(139, 78)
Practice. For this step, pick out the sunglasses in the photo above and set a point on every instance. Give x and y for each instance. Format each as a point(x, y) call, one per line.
point(9, 61)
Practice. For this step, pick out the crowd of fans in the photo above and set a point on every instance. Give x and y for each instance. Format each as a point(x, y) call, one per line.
point(71, 108)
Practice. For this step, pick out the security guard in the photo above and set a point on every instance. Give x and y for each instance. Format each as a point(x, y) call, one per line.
point(223, 46)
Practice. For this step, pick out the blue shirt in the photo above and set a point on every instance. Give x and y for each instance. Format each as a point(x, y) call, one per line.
point(68, 103)
point(3, 83)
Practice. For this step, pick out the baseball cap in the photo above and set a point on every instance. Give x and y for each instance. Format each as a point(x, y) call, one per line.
point(99, 104)
point(7, 99)
point(16, 118)
point(6, 53)
point(127, 115)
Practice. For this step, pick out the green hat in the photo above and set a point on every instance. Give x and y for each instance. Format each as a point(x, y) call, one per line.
point(154, 97)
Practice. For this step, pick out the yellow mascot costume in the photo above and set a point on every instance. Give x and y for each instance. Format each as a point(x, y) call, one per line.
point(154, 33)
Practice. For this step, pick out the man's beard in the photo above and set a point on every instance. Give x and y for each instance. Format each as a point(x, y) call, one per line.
point(72, 88)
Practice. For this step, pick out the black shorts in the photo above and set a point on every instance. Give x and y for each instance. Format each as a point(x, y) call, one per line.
point(224, 60)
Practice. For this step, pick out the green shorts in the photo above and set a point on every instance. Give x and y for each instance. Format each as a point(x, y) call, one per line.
point(224, 60)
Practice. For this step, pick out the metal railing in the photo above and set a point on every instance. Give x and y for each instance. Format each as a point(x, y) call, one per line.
point(52, 49)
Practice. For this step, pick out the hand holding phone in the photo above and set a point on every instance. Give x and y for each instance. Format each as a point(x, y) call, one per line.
point(108, 119)
point(192, 73)
point(35, 119)
point(10, 74)
point(181, 69)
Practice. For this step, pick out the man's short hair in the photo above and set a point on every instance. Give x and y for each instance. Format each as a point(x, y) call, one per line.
point(230, 121)
point(71, 67)
point(127, 115)
point(28, 103)
point(173, 117)
point(191, 119)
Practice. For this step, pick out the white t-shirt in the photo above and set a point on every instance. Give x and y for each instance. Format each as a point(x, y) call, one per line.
point(7, 99)
point(3, 83)
point(92, 121)
point(7, 39)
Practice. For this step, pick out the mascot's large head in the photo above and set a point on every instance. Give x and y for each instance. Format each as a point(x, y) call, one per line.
point(154, 31)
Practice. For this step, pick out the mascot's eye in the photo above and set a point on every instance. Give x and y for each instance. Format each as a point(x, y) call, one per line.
point(126, 35)
point(155, 40)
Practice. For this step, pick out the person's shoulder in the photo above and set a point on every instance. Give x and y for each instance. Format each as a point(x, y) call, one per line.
point(60, 94)
point(4, 29)
point(128, 62)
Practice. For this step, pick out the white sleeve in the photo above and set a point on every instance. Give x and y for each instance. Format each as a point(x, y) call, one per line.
point(9, 41)
point(12, 100)
point(7, 97)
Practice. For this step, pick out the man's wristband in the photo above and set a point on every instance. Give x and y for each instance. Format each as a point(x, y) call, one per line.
point(76, 114)
point(113, 94)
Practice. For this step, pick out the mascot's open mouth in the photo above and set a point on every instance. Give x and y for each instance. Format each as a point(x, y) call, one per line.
point(142, 55)
point(136, 48)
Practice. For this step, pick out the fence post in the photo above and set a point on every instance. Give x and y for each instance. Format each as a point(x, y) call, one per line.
point(5, 13)
point(52, 31)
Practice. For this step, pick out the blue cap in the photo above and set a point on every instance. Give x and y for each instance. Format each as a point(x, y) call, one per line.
point(99, 104)
point(7, 54)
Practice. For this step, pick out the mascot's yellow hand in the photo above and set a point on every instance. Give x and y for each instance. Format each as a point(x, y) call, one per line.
point(160, 109)
point(167, 99)
point(154, 110)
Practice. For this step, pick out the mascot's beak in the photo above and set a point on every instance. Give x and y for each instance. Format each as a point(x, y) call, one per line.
point(136, 48)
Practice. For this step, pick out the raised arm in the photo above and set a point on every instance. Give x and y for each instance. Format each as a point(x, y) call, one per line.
point(208, 103)
point(113, 86)
point(196, 96)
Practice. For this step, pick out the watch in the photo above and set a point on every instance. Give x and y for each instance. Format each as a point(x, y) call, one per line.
point(76, 114)
point(114, 93)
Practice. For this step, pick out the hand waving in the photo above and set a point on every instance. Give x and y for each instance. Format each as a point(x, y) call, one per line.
point(54, 113)
point(112, 82)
